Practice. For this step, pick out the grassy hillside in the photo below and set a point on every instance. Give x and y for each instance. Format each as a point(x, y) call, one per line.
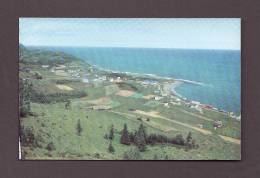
point(60, 101)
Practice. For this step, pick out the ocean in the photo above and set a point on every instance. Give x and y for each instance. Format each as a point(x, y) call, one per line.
point(217, 71)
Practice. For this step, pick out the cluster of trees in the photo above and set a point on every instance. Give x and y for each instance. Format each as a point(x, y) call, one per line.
point(55, 97)
point(140, 138)
point(65, 81)
point(25, 88)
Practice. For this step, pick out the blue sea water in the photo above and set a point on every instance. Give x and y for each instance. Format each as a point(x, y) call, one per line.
point(217, 70)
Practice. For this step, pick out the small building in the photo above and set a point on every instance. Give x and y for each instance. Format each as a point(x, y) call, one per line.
point(157, 98)
point(45, 66)
point(166, 104)
point(200, 126)
point(217, 124)
point(101, 107)
point(85, 80)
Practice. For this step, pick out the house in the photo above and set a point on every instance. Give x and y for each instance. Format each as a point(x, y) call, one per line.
point(197, 108)
point(85, 80)
point(101, 107)
point(166, 104)
point(157, 98)
point(195, 102)
point(45, 66)
point(200, 126)
point(217, 124)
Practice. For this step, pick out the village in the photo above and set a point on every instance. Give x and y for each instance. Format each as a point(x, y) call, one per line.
point(161, 88)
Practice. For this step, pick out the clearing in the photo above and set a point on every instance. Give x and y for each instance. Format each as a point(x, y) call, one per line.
point(125, 93)
point(64, 87)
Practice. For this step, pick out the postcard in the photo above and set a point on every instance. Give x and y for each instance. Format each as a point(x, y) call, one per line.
point(130, 88)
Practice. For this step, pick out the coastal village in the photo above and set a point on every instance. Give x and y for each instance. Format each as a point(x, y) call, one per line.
point(135, 97)
point(162, 92)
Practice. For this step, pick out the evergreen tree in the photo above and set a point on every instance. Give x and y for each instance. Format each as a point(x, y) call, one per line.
point(140, 138)
point(111, 133)
point(111, 149)
point(79, 128)
point(188, 138)
point(125, 136)
point(166, 157)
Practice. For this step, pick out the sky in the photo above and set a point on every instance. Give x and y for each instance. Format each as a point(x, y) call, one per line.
point(201, 33)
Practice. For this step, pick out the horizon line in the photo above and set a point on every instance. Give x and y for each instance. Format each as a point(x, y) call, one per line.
point(80, 46)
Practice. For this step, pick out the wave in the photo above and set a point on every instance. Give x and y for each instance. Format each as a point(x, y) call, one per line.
point(190, 81)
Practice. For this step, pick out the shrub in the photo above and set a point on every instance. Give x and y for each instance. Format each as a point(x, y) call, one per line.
point(179, 140)
point(67, 104)
point(37, 75)
point(111, 149)
point(106, 137)
point(79, 128)
point(50, 146)
point(111, 133)
point(132, 154)
point(27, 137)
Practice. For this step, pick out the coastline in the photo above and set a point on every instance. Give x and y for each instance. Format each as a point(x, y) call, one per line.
point(169, 85)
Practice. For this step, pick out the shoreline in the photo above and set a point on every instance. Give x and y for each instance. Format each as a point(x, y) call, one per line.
point(170, 84)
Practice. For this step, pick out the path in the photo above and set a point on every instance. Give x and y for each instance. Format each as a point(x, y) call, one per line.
point(206, 132)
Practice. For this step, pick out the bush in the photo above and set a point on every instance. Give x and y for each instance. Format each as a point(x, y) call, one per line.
point(37, 75)
point(50, 147)
point(179, 140)
point(27, 137)
point(132, 154)
point(111, 149)
point(111, 133)
point(79, 128)
point(106, 136)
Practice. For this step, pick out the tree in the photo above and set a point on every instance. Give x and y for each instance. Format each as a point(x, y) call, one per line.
point(79, 128)
point(166, 157)
point(50, 146)
point(111, 149)
point(140, 138)
point(111, 133)
point(189, 138)
point(125, 136)
point(67, 104)
point(25, 88)
point(179, 139)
